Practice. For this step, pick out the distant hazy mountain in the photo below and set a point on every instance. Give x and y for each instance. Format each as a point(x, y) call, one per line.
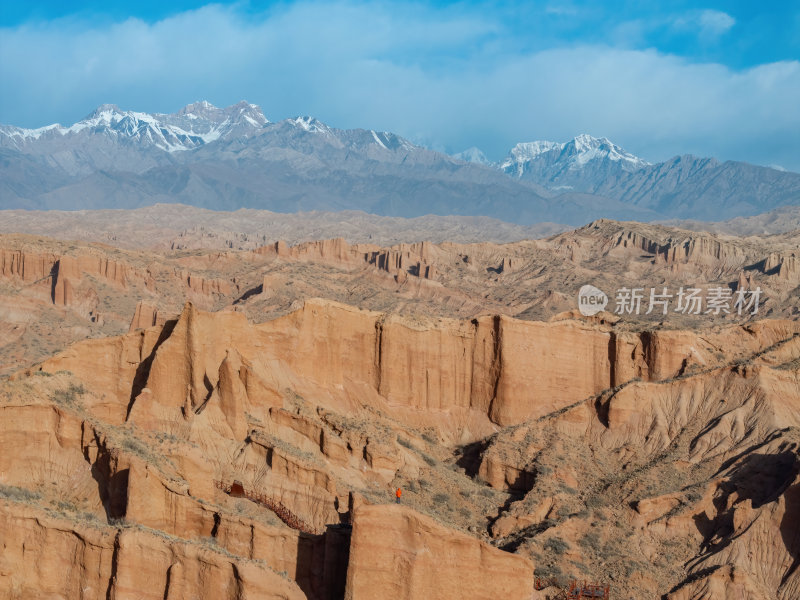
point(229, 158)
point(682, 187)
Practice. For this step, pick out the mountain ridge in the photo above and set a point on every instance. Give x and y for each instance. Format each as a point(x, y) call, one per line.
point(235, 157)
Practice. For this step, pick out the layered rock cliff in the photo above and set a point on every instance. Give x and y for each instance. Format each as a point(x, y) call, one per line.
point(397, 553)
point(502, 369)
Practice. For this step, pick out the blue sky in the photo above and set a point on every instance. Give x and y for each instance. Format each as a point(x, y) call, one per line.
point(659, 78)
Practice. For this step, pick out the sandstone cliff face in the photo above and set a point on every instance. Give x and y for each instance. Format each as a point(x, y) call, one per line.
point(398, 553)
point(507, 370)
point(146, 315)
point(785, 265)
point(401, 260)
point(27, 266)
point(166, 519)
point(45, 556)
point(334, 250)
point(686, 247)
point(205, 286)
point(71, 280)
point(74, 267)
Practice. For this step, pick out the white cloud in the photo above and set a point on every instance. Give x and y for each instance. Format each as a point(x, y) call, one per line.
point(454, 81)
point(715, 22)
point(708, 24)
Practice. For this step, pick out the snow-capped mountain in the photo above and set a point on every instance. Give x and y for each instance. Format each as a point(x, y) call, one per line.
point(563, 165)
point(193, 126)
point(683, 185)
point(113, 139)
point(234, 157)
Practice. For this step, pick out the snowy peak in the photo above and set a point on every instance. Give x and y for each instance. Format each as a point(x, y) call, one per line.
point(473, 155)
point(240, 112)
point(390, 141)
point(312, 125)
point(203, 108)
point(193, 126)
point(525, 152)
point(574, 154)
point(373, 143)
point(530, 150)
point(103, 109)
point(585, 148)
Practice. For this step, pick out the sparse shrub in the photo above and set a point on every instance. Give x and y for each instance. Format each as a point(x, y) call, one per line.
point(630, 567)
point(42, 374)
point(553, 572)
point(541, 571)
point(590, 540)
point(133, 445)
point(595, 501)
point(68, 396)
point(404, 442)
point(430, 437)
point(428, 459)
point(441, 499)
point(18, 494)
point(66, 505)
point(556, 545)
point(87, 516)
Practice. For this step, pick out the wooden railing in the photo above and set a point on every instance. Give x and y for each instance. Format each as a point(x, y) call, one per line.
point(576, 590)
point(587, 591)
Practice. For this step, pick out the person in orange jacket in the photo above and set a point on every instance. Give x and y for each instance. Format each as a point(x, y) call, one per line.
point(397, 494)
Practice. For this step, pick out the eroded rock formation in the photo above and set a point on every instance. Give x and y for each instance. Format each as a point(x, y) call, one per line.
point(398, 553)
point(662, 460)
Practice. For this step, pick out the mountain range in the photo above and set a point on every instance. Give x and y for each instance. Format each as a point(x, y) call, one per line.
point(234, 157)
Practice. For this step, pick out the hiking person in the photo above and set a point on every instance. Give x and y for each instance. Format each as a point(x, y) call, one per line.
point(397, 494)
